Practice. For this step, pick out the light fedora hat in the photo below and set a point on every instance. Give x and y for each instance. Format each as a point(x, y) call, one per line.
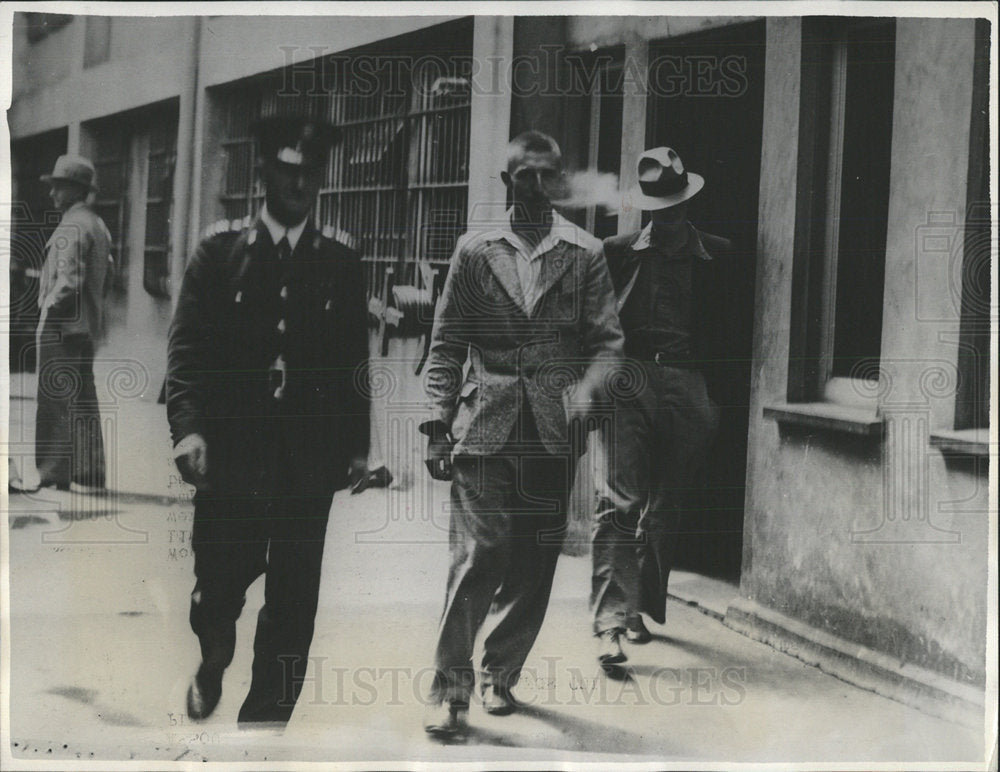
point(663, 182)
point(72, 168)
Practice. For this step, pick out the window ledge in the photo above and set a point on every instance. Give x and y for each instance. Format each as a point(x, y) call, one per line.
point(966, 442)
point(829, 416)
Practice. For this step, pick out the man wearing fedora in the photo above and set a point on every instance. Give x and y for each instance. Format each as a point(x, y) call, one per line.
point(69, 447)
point(269, 417)
point(668, 279)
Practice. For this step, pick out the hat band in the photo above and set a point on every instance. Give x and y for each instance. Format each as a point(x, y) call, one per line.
point(664, 186)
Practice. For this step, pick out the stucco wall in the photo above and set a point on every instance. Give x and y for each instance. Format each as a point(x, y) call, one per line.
point(44, 62)
point(583, 31)
point(877, 541)
point(142, 36)
point(149, 59)
point(239, 46)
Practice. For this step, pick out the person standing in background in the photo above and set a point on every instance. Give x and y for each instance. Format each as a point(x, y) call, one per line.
point(69, 445)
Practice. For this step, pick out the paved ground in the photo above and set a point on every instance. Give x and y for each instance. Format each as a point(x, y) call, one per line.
point(101, 654)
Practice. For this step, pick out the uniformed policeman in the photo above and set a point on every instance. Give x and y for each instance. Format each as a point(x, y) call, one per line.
point(269, 417)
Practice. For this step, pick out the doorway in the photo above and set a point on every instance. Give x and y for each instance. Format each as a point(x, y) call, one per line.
point(706, 100)
point(33, 219)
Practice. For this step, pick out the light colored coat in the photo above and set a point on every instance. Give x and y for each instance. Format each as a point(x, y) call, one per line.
point(490, 358)
point(72, 283)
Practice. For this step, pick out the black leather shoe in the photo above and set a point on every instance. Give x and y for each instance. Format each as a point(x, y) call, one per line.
point(377, 478)
point(609, 650)
point(636, 632)
point(204, 693)
point(446, 719)
point(498, 701)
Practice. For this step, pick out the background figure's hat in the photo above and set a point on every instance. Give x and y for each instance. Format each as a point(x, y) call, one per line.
point(296, 140)
point(663, 182)
point(72, 168)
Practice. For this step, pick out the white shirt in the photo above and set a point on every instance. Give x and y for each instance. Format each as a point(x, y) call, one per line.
point(528, 262)
point(279, 231)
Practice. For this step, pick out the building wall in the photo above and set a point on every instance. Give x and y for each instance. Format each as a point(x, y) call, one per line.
point(148, 63)
point(880, 542)
point(44, 62)
point(240, 46)
point(583, 31)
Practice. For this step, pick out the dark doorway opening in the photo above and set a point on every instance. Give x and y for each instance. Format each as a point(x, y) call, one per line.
point(34, 217)
point(706, 100)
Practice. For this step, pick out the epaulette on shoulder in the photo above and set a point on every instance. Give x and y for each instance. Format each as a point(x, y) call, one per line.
point(226, 226)
point(341, 237)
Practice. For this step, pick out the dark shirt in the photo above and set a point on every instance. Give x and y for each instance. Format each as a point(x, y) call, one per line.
point(657, 315)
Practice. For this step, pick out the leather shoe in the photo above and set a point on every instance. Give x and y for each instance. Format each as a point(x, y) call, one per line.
point(204, 693)
point(498, 701)
point(610, 648)
point(446, 719)
point(636, 632)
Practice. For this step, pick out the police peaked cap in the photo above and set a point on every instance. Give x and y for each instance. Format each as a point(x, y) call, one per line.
point(300, 141)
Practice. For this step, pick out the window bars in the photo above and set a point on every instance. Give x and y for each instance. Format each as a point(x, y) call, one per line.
point(111, 147)
point(162, 156)
point(397, 176)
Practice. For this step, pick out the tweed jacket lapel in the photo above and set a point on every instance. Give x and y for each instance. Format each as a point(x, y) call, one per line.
point(555, 263)
point(500, 256)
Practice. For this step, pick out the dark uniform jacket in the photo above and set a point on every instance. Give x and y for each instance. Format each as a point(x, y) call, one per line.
point(718, 327)
point(239, 309)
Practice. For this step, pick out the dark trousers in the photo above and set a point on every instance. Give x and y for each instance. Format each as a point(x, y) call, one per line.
point(508, 515)
point(274, 525)
point(69, 445)
point(655, 448)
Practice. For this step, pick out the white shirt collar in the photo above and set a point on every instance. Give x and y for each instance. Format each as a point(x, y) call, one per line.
point(278, 231)
point(562, 230)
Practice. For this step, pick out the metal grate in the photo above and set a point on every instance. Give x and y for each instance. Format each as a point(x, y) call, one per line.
point(397, 177)
point(111, 145)
point(240, 195)
point(162, 157)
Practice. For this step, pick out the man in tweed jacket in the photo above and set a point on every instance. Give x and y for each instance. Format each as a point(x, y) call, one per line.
point(527, 312)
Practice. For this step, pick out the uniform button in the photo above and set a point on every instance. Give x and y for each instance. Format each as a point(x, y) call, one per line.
point(281, 326)
point(284, 293)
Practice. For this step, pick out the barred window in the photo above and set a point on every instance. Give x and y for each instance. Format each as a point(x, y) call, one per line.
point(397, 176)
point(111, 149)
point(162, 156)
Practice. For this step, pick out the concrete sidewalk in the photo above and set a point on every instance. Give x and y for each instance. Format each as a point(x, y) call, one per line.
point(137, 448)
point(101, 654)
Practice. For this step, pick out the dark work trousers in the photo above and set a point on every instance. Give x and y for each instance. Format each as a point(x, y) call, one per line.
point(69, 444)
point(655, 448)
point(508, 516)
point(275, 524)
